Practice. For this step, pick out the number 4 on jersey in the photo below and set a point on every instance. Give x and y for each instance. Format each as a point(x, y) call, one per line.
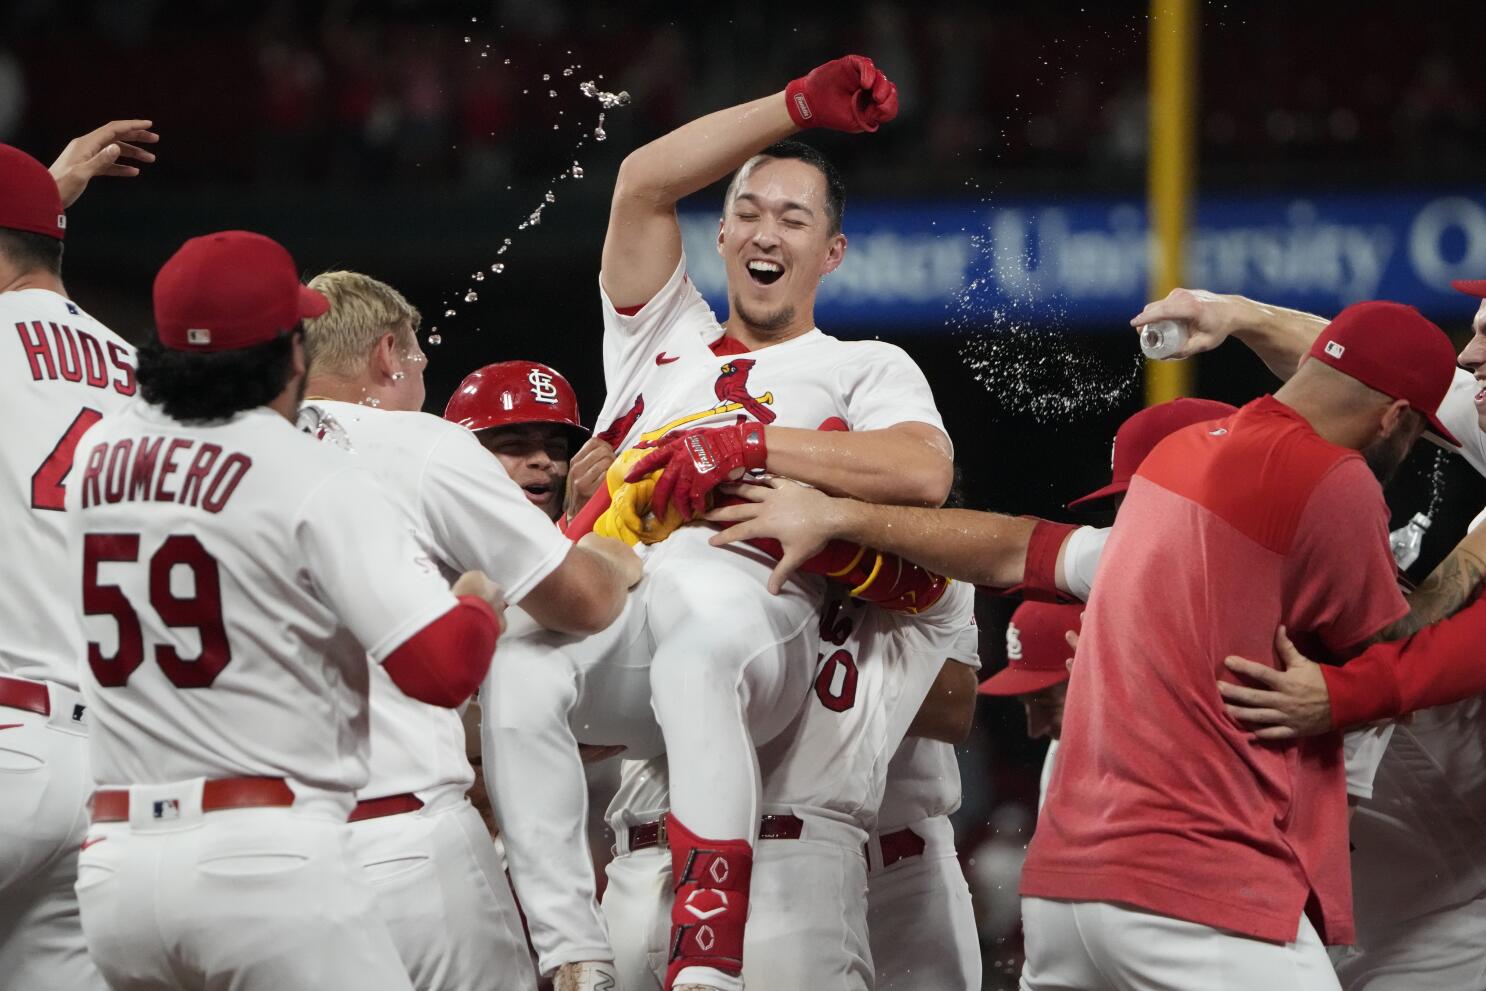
point(47, 489)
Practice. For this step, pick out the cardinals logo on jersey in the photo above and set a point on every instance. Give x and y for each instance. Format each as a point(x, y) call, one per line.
point(732, 387)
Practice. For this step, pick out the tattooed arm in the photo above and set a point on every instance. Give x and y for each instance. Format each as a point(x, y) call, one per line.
point(1447, 589)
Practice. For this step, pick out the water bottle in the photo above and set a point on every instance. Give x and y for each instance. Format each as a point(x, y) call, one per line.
point(1408, 540)
point(1164, 338)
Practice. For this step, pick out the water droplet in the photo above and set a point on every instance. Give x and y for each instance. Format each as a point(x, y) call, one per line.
point(551, 94)
point(587, 88)
point(435, 339)
point(555, 126)
point(484, 54)
point(567, 72)
point(577, 171)
point(498, 268)
point(466, 39)
point(501, 250)
point(599, 135)
point(546, 76)
point(449, 313)
point(471, 296)
point(507, 62)
point(478, 276)
point(550, 198)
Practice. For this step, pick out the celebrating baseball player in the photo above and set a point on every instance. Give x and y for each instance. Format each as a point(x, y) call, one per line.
point(725, 664)
point(526, 414)
point(230, 598)
point(1418, 861)
point(879, 675)
point(454, 920)
point(65, 371)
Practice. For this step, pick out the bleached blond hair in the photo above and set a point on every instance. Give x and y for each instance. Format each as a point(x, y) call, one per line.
point(362, 309)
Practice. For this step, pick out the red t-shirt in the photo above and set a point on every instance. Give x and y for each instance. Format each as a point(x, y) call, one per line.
point(1158, 799)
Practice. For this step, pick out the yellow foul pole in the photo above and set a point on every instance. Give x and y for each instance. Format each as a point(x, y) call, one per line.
point(1172, 169)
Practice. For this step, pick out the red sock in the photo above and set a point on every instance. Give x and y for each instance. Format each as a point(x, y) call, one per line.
point(711, 906)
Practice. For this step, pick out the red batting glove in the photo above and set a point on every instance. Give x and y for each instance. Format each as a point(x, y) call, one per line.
point(848, 94)
point(697, 462)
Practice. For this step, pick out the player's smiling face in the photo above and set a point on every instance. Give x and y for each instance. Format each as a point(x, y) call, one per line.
point(776, 243)
point(535, 455)
point(1473, 359)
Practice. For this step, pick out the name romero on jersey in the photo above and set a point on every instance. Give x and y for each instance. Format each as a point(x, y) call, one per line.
point(140, 470)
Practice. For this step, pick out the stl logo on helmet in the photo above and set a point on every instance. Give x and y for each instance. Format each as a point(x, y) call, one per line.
point(543, 389)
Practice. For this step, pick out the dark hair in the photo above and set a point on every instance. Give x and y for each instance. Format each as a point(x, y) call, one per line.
point(29, 252)
point(201, 387)
point(810, 155)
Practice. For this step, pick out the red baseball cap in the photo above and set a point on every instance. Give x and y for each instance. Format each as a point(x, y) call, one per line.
point(230, 290)
point(1036, 652)
point(1143, 431)
point(1394, 349)
point(1471, 287)
point(29, 200)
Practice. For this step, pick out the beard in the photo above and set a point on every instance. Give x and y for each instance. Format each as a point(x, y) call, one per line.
point(1384, 455)
point(764, 323)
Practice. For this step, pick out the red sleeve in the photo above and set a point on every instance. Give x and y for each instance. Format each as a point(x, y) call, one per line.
point(444, 663)
point(1439, 664)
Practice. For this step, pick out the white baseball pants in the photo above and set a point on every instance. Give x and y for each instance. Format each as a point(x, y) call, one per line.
point(242, 899)
point(1099, 946)
point(44, 787)
point(443, 894)
point(920, 917)
point(1441, 951)
point(807, 920)
point(703, 664)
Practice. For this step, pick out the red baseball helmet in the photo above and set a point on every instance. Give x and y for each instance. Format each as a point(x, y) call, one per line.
point(508, 393)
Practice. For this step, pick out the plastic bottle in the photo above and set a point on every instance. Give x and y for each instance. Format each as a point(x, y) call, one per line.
point(1408, 540)
point(1164, 338)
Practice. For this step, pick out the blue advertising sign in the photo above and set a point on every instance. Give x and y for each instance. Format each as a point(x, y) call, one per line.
point(944, 264)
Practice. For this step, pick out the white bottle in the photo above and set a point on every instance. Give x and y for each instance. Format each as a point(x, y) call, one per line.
point(1164, 338)
point(1408, 540)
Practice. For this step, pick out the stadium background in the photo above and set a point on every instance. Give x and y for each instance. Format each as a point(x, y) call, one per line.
point(992, 224)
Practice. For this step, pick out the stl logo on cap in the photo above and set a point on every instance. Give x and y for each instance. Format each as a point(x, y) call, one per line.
point(1013, 643)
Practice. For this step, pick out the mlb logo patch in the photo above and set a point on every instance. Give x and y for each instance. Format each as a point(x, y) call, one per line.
point(72, 308)
point(1334, 349)
point(78, 711)
point(198, 335)
point(168, 808)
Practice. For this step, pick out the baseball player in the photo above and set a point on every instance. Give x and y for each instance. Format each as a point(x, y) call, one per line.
point(673, 371)
point(230, 598)
point(438, 881)
point(823, 781)
point(1419, 858)
point(526, 414)
point(65, 370)
point(1036, 672)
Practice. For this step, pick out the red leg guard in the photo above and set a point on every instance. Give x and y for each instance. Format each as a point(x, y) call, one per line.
point(711, 906)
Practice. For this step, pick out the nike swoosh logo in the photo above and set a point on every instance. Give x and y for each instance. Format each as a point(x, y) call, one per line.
point(10, 725)
point(665, 359)
point(91, 840)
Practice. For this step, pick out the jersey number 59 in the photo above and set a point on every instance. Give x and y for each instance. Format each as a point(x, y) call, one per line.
point(201, 610)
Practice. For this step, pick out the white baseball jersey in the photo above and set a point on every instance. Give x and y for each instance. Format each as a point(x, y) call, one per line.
point(63, 370)
point(468, 516)
point(1419, 842)
point(923, 778)
point(233, 579)
point(662, 375)
point(873, 672)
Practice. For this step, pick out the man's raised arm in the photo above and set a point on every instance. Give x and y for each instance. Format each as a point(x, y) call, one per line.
point(643, 242)
point(1280, 337)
